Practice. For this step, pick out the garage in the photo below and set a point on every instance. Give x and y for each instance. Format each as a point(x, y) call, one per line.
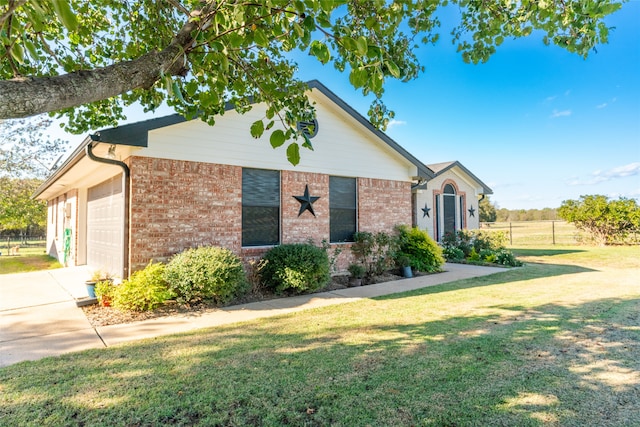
point(105, 226)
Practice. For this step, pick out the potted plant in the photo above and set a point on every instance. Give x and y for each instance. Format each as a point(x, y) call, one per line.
point(357, 273)
point(104, 292)
point(97, 276)
point(405, 265)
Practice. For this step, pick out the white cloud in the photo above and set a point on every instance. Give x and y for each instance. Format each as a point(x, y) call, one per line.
point(599, 176)
point(606, 104)
point(562, 113)
point(394, 122)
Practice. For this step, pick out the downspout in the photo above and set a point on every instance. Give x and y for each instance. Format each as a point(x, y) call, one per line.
point(125, 181)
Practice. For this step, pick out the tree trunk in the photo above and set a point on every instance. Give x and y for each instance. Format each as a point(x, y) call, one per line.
point(23, 97)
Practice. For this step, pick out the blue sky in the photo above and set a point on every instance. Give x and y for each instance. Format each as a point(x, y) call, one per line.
point(537, 124)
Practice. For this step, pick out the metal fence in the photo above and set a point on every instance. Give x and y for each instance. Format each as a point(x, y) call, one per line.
point(523, 233)
point(22, 244)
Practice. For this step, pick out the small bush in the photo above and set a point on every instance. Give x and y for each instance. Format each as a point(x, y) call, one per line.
point(480, 240)
point(356, 270)
point(206, 273)
point(506, 257)
point(423, 252)
point(474, 256)
point(479, 246)
point(485, 254)
point(488, 240)
point(452, 253)
point(461, 239)
point(374, 251)
point(298, 267)
point(144, 290)
point(105, 290)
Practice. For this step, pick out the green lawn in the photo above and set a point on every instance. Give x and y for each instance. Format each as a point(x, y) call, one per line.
point(556, 342)
point(32, 260)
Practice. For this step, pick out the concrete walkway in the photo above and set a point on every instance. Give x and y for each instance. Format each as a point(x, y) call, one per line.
point(39, 316)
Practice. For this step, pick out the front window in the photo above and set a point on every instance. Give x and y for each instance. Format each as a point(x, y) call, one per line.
point(342, 207)
point(260, 207)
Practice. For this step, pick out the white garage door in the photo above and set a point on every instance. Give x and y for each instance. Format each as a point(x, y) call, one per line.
point(105, 226)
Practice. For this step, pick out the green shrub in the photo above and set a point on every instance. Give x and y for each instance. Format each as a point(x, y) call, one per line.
point(480, 240)
point(298, 267)
point(474, 256)
point(374, 251)
point(105, 290)
point(461, 239)
point(452, 253)
point(211, 273)
point(356, 270)
point(144, 290)
point(423, 252)
point(487, 240)
point(485, 254)
point(506, 257)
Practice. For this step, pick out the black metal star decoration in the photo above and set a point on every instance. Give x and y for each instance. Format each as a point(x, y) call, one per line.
point(425, 211)
point(306, 201)
point(472, 212)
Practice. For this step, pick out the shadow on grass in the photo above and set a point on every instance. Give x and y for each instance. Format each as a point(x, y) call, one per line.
point(530, 271)
point(503, 364)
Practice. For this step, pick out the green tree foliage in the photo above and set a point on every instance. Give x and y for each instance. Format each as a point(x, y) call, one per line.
point(608, 221)
point(87, 59)
point(18, 211)
point(546, 214)
point(487, 210)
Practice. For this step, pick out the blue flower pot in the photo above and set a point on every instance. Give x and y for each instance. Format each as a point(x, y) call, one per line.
point(91, 289)
point(406, 272)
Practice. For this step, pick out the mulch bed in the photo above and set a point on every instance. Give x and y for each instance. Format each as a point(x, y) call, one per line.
point(103, 316)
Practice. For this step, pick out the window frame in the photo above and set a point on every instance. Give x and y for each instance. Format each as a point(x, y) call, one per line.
point(250, 205)
point(333, 208)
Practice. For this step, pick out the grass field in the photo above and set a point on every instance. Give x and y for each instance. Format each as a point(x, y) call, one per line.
point(556, 342)
point(32, 257)
point(25, 263)
point(535, 233)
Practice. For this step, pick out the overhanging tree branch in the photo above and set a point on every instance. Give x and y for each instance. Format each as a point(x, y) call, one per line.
point(33, 95)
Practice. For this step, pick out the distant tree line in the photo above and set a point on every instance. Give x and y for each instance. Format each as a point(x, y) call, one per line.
point(490, 213)
point(607, 221)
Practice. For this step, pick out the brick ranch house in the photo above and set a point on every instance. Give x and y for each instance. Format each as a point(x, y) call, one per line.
point(148, 190)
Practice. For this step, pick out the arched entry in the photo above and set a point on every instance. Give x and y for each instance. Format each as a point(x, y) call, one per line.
point(449, 203)
point(449, 209)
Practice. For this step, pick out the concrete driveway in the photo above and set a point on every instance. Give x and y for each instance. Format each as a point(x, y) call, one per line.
point(39, 316)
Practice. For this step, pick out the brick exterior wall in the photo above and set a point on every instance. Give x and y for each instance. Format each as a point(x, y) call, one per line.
point(383, 204)
point(299, 229)
point(178, 204)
